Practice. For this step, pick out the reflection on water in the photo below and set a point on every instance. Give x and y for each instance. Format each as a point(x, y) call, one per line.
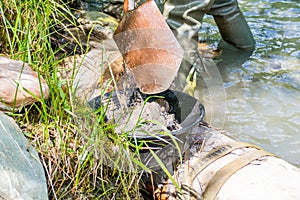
point(263, 92)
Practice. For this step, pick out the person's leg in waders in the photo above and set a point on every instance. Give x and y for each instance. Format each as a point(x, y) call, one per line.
point(239, 42)
point(185, 18)
point(232, 24)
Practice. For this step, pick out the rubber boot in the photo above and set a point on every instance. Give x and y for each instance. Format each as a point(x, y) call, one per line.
point(185, 19)
point(232, 24)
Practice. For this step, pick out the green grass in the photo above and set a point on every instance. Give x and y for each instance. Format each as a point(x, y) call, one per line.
point(81, 155)
point(73, 147)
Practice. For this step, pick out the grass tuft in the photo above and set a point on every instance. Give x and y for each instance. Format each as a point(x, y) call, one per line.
point(81, 155)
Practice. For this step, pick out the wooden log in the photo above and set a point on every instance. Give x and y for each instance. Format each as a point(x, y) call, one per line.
point(217, 167)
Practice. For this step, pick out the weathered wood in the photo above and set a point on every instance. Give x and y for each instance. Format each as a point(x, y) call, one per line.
point(241, 172)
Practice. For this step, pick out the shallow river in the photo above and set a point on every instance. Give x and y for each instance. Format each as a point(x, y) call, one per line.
point(262, 102)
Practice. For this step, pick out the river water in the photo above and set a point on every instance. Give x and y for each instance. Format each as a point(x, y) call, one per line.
point(262, 102)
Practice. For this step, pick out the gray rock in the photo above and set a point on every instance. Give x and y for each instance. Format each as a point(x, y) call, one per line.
point(21, 173)
point(92, 27)
point(90, 72)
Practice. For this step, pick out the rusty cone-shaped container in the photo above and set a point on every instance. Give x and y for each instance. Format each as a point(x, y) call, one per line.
point(149, 48)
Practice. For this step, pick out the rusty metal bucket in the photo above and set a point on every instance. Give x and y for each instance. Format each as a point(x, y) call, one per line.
point(149, 48)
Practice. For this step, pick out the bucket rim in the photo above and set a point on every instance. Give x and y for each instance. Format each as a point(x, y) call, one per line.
point(96, 102)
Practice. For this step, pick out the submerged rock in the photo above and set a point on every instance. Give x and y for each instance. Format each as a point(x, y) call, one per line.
point(111, 7)
point(22, 174)
point(19, 84)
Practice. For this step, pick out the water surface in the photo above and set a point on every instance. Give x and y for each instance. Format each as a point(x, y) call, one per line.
point(263, 91)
